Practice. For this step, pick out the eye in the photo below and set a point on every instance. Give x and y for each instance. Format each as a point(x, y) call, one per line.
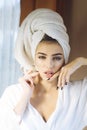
point(41, 57)
point(57, 58)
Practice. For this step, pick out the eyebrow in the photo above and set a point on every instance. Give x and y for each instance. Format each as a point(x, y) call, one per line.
point(52, 54)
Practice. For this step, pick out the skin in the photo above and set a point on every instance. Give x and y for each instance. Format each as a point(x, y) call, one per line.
point(48, 58)
point(37, 89)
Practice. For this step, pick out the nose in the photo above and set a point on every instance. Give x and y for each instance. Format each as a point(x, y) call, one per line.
point(49, 64)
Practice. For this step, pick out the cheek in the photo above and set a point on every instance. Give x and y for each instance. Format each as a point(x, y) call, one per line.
point(59, 65)
point(39, 65)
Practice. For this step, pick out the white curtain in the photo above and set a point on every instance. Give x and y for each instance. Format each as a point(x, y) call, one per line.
point(9, 23)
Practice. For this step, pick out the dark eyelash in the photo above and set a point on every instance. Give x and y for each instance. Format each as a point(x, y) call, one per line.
point(41, 57)
point(57, 58)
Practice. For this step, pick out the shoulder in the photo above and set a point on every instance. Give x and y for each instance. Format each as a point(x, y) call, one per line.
point(78, 89)
point(12, 94)
point(80, 84)
point(13, 90)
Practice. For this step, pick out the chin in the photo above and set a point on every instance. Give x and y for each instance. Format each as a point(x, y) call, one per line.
point(43, 77)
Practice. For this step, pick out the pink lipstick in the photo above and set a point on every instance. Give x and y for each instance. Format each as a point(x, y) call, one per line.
point(49, 74)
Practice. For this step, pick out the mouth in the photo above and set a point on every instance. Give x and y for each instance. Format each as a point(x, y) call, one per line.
point(49, 74)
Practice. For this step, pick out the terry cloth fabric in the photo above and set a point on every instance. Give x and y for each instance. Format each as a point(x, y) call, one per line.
point(70, 112)
point(34, 27)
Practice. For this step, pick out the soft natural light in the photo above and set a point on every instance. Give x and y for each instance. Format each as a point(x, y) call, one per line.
point(9, 24)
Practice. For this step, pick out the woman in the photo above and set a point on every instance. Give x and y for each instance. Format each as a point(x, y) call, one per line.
point(45, 98)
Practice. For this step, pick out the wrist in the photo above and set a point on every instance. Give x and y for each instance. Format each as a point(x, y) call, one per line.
point(26, 96)
point(82, 61)
point(27, 93)
point(85, 61)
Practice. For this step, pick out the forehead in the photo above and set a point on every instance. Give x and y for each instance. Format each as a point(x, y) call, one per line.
point(48, 46)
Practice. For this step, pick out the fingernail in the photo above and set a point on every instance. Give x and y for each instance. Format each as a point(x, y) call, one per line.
point(57, 88)
point(65, 83)
point(37, 71)
point(28, 82)
point(61, 88)
point(58, 76)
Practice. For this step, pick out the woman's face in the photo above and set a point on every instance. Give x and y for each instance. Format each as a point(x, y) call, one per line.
point(49, 58)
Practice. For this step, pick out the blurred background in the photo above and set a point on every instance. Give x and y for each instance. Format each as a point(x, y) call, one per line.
point(74, 13)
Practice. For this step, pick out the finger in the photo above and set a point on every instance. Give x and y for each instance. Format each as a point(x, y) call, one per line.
point(28, 79)
point(34, 74)
point(61, 79)
point(64, 77)
point(33, 77)
point(24, 82)
point(25, 71)
point(55, 76)
point(67, 78)
point(27, 89)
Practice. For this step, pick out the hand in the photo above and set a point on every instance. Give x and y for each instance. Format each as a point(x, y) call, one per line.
point(68, 70)
point(28, 82)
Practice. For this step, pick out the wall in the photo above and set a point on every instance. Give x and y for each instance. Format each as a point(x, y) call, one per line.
point(79, 34)
point(29, 5)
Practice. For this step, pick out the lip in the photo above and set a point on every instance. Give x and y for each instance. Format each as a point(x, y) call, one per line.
point(49, 74)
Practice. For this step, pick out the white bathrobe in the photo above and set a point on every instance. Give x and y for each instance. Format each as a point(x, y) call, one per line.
point(70, 112)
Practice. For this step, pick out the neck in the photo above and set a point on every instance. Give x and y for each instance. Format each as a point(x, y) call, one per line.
point(45, 87)
point(48, 85)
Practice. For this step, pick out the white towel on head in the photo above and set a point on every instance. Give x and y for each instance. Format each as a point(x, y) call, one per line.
point(34, 27)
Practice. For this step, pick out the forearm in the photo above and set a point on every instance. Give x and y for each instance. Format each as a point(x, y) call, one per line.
point(69, 69)
point(77, 63)
point(22, 104)
point(84, 61)
point(28, 87)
